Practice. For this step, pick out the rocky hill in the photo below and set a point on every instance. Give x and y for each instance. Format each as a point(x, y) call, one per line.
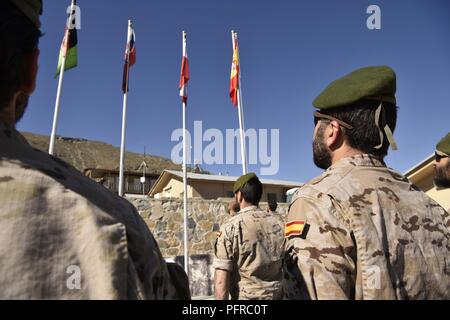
point(85, 154)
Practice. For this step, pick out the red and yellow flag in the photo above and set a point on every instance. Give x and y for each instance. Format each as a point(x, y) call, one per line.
point(294, 228)
point(235, 73)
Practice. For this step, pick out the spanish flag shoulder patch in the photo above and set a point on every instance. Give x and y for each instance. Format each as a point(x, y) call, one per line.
point(295, 229)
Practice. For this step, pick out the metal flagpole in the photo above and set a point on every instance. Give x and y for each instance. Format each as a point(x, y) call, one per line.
point(185, 195)
point(124, 115)
point(51, 149)
point(241, 115)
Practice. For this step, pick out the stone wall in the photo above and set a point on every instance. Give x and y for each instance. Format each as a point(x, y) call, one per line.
point(165, 220)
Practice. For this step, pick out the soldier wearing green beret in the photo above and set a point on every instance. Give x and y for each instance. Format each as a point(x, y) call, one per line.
point(361, 230)
point(62, 235)
point(248, 248)
point(442, 164)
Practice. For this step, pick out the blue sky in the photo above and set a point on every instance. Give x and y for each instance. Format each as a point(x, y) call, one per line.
point(290, 50)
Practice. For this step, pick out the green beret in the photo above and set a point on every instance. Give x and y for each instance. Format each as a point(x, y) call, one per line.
point(371, 83)
point(444, 145)
point(30, 8)
point(242, 181)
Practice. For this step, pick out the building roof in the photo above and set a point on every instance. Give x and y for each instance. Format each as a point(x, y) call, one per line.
point(169, 174)
point(421, 169)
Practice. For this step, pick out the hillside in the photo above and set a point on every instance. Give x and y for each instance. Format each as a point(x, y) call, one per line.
point(84, 154)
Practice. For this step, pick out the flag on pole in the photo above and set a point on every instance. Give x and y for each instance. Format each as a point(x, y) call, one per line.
point(69, 44)
point(235, 74)
point(184, 77)
point(130, 58)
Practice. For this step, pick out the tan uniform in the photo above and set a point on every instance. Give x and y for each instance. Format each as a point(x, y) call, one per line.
point(250, 247)
point(63, 236)
point(368, 234)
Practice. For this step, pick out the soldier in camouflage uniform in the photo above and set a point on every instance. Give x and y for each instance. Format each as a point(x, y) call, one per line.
point(248, 248)
point(362, 230)
point(442, 164)
point(62, 236)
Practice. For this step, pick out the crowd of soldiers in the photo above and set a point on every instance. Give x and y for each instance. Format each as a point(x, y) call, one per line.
point(359, 231)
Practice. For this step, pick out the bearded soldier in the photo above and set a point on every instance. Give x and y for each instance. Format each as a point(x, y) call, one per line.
point(361, 230)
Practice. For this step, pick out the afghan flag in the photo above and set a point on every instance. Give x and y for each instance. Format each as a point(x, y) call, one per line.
point(69, 44)
point(130, 58)
point(235, 73)
point(184, 76)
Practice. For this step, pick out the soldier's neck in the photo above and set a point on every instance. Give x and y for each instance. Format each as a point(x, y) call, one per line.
point(342, 153)
point(245, 204)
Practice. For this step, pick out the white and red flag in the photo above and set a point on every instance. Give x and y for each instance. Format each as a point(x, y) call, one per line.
point(130, 57)
point(184, 76)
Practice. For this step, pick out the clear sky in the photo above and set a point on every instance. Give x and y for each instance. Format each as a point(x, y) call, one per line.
point(290, 50)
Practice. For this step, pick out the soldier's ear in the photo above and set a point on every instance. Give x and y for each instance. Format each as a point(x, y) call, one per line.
point(238, 197)
point(333, 135)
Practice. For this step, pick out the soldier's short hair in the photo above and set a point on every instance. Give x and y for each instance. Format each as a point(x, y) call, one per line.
point(273, 205)
point(365, 135)
point(18, 37)
point(252, 191)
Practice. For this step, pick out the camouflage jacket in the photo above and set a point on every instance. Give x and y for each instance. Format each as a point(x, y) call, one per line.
point(363, 231)
point(63, 236)
point(249, 245)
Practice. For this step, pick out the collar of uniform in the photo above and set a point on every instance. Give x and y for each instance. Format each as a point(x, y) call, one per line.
point(363, 160)
point(251, 208)
point(9, 132)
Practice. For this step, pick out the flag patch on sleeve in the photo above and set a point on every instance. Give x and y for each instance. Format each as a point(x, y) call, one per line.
point(294, 228)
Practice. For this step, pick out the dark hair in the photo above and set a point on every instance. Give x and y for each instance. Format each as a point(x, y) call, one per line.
point(252, 191)
point(235, 207)
point(365, 135)
point(18, 37)
point(273, 205)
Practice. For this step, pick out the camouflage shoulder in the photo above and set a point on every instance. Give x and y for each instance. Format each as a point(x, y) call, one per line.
point(309, 189)
point(229, 224)
point(311, 200)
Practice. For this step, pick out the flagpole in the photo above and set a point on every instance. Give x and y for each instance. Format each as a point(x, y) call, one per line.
point(51, 149)
point(241, 116)
point(185, 195)
point(124, 118)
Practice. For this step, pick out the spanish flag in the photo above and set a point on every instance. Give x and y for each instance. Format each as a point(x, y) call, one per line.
point(235, 74)
point(69, 44)
point(294, 228)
